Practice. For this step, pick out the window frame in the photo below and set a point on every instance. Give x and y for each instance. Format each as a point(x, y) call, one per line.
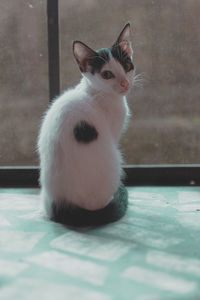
point(156, 175)
point(136, 175)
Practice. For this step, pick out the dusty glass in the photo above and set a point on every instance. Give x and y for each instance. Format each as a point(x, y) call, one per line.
point(23, 79)
point(165, 102)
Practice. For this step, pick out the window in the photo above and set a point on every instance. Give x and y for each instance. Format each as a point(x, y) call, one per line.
point(166, 111)
point(165, 128)
point(23, 79)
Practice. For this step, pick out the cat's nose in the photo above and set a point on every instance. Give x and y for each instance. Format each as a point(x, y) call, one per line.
point(125, 84)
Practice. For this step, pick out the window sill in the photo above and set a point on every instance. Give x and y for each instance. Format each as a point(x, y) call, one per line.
point(136, 175)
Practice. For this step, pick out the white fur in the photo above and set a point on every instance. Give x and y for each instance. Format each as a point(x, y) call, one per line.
point(86, 175)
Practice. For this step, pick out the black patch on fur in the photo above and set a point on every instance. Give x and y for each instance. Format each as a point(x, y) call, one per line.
point(121, 56)
point(99, 60)
point(85, 133)
point(78, 217)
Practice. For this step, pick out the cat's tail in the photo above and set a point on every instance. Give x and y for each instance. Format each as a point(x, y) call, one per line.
point(78, 217)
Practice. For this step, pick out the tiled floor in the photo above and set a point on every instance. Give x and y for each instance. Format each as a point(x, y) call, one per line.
point(153, 253)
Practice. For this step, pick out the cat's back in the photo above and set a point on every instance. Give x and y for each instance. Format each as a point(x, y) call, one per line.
point(70, 102)
point(66, 111)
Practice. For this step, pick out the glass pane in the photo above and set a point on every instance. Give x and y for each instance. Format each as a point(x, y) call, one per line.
point(23, 79)
point(165, 127)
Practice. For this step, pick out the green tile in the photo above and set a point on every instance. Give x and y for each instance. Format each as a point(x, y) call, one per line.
point(153, 253)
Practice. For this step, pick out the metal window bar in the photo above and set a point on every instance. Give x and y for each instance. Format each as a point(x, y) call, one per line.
point(53, 48)
point(166, 175)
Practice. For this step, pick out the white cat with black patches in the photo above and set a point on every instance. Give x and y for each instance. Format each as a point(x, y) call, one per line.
point(78, 142)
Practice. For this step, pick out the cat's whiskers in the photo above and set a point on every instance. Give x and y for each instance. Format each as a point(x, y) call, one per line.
point(138, 80)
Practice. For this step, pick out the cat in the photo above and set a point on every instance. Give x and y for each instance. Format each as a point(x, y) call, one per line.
point(80, 160)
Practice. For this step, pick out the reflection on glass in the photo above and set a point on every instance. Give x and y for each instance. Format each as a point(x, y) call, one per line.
point(165, 126)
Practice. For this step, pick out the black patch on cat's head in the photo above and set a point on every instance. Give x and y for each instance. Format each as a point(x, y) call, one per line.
point(89, 60)
point(121, 56)
point(93, 61)
point(97, 62)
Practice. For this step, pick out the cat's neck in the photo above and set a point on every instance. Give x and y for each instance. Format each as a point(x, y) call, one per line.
point(92, 90)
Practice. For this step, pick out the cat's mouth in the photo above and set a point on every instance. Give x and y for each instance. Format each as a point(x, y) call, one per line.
point(124, 91)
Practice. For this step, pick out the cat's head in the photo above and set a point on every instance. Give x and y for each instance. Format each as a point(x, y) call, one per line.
point(109, 69)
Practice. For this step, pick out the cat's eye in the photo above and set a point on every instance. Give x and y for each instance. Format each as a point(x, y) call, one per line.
point(128, 67)
point(107, 75)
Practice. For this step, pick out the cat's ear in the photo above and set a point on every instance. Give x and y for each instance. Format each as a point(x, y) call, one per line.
point(83, 55)
point(124, 40)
